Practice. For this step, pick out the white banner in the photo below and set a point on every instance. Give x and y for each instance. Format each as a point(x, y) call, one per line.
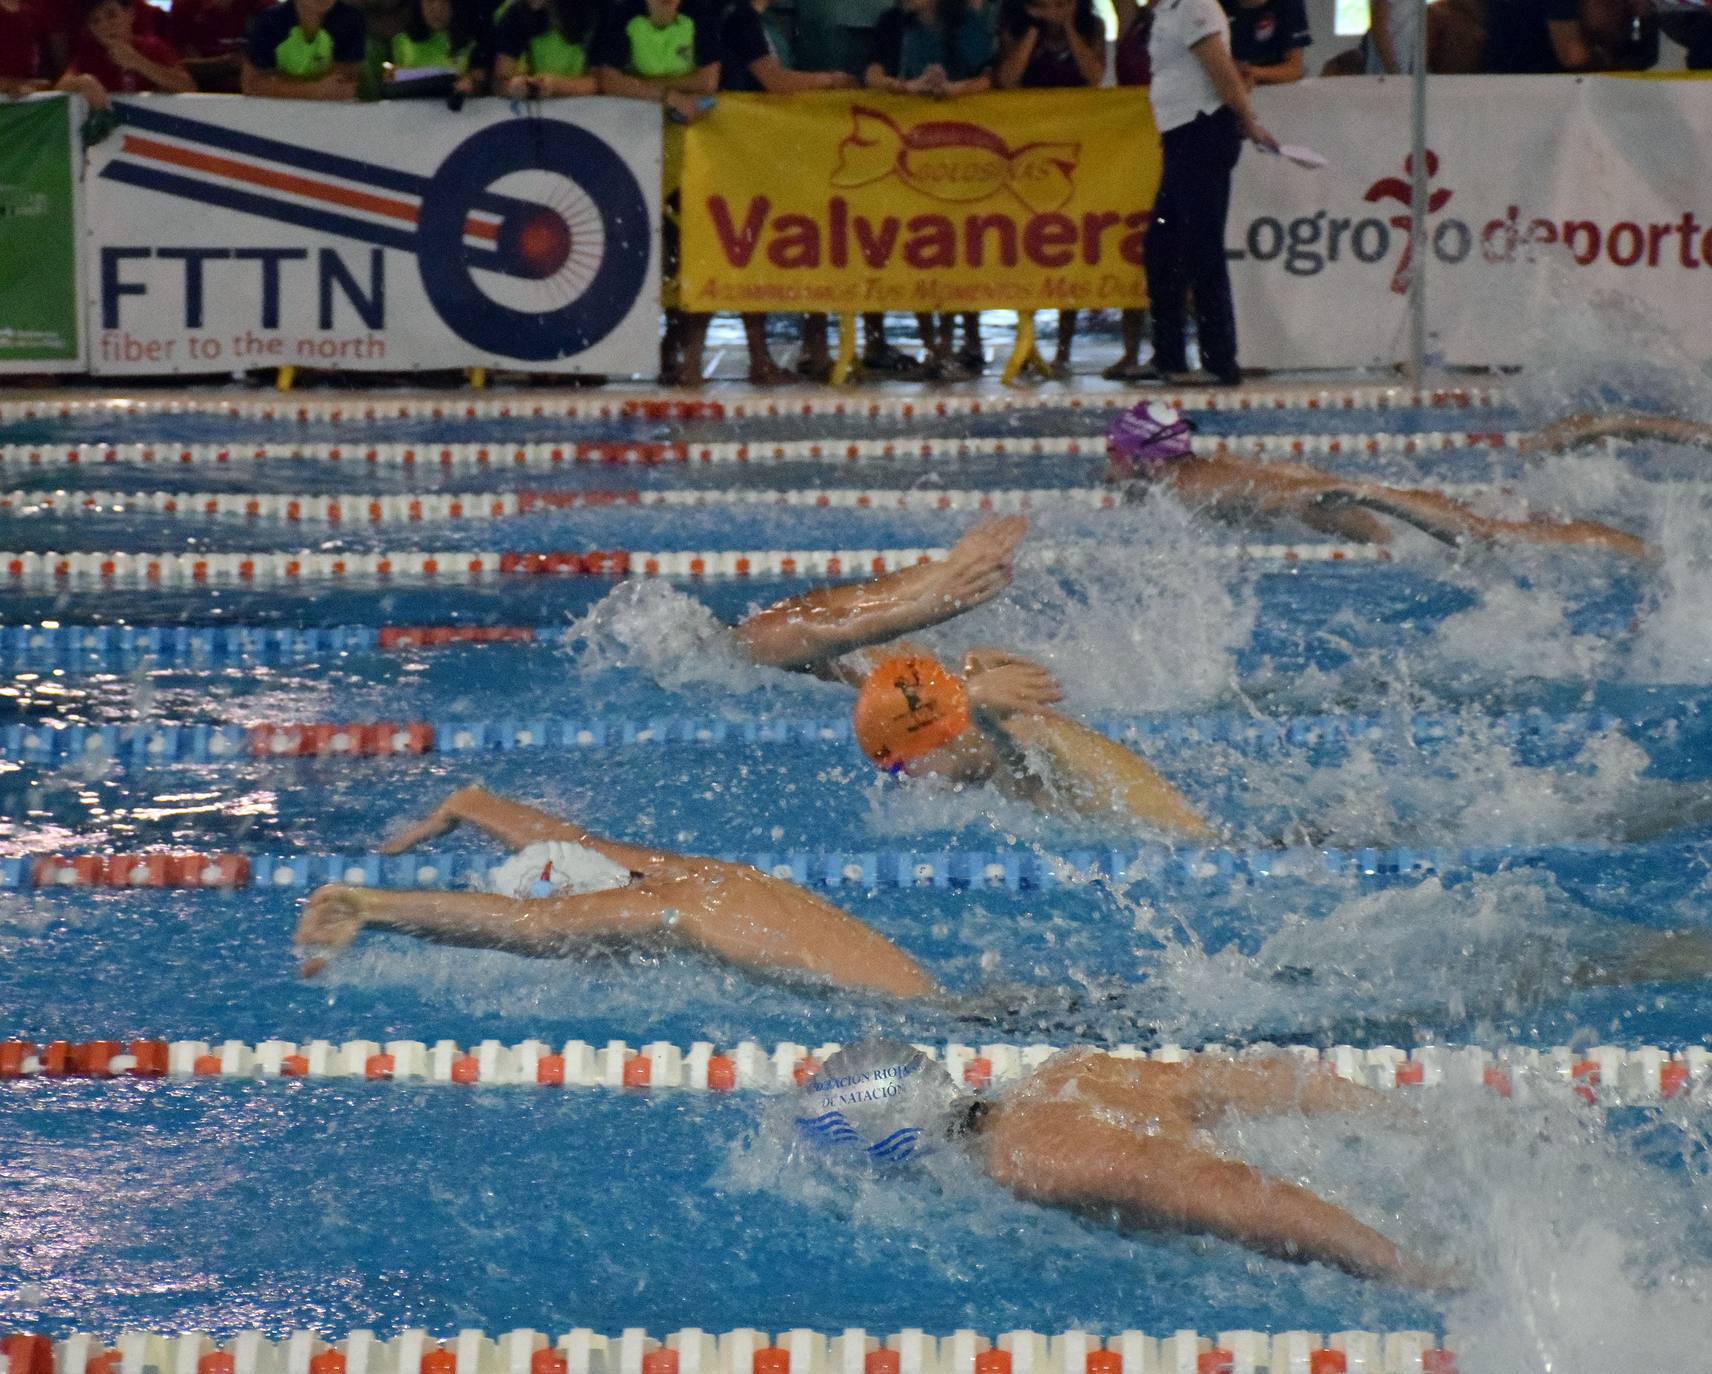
point(1545, 193)
point(229, 233)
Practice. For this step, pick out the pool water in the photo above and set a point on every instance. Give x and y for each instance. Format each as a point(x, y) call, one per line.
point(1535, 725)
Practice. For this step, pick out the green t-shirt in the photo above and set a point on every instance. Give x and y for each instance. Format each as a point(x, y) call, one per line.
point(661, 52)
point(433, 51)
point(552, 54)
point(528, 36)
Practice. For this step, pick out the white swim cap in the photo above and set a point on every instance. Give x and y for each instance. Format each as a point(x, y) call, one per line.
point(549, 867)
point(880, 1098)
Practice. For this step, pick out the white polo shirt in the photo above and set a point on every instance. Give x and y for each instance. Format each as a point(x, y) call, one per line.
point(1181, 87)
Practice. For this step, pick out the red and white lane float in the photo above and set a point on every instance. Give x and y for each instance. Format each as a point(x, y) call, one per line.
point(741, 1351)
point(1598, 1075)
point(172, 571)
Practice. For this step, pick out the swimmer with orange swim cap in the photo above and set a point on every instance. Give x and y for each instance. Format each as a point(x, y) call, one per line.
point(1149, 446)
point(994, 722)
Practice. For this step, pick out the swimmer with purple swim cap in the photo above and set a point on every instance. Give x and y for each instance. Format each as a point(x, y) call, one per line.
point(1151, 445)
point(1118, 1138)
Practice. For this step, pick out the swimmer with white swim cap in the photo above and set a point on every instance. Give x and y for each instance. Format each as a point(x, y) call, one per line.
point(1150, 445)
point(1110, 1137)
point(565, 887)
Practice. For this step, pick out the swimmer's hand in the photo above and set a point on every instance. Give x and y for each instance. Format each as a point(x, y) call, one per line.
point(978, 567)
point(332, 918)
point(444, 817)
point(1002, 683)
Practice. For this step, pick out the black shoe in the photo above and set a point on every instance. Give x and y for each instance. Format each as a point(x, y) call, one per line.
point(885, 358)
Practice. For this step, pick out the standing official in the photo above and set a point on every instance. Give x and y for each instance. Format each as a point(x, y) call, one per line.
point(1200, 103)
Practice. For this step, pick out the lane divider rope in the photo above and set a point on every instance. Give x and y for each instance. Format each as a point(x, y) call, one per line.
point(769, 405)
point(345, 508)
point(121, 648)
point(742, 1351)
point(549, 455)
point(432, 508)
point(1014, 870)
point(1608, 1074)
point(160, 571)
point(210, 743)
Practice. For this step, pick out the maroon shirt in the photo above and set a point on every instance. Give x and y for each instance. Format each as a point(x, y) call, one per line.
point(202, 28)
point(1132, 67)
point(1051, 68)
point(23, 44)
point(90, 58)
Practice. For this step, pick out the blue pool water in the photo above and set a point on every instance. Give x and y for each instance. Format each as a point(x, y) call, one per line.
point(176, 1206)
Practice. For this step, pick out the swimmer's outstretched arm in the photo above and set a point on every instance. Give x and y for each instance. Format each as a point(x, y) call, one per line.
point(515, 825)
point(1274, 1085)
point(1454, 523)
point(1579, 430)
point(1162, 1183)
point(1098, 776)
point(806, 633)
point(335, 915)
point(737, 914)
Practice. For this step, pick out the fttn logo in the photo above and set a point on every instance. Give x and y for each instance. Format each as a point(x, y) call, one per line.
point(1402, 189)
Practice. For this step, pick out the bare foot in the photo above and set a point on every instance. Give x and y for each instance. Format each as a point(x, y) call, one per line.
point(331, 919)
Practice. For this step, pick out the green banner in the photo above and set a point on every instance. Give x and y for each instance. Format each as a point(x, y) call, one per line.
point(40, 326)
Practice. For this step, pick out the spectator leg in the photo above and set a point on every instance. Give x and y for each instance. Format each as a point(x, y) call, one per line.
point(816, 359)
point(1209, 271)
point(1167, 278)
point(1066, 339)
point(763, 371)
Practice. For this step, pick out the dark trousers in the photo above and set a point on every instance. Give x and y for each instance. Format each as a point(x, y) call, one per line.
point(1186, 243)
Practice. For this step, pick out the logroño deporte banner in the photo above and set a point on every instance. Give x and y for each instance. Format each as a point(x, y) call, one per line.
point(846, 201)
point(1546, 195)
point(234, 233)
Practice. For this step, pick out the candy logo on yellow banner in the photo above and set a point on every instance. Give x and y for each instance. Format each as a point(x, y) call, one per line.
point(952, 160)
point(829, 201)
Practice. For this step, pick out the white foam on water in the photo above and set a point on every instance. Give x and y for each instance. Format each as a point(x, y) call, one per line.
point(653, 627)
point(1133, 613)
point(1578, 1255)
point(1496, 943)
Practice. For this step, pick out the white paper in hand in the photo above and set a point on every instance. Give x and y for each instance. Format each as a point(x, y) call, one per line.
point(1301, 155)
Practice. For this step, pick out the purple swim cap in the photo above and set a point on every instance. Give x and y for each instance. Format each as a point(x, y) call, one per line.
point(1151, 432)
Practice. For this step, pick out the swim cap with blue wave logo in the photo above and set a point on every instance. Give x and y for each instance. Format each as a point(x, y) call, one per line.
point(880, 1099)
point(1151, 432)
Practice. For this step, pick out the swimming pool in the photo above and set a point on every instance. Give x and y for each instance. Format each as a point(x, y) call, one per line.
point(1451, 751)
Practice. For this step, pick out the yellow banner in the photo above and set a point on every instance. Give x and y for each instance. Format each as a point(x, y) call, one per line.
point(847, 201)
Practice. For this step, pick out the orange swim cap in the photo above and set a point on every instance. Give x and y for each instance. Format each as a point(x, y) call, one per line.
point(909, 706)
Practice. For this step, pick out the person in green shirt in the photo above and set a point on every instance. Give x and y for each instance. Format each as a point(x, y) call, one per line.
point(666, 52)
point(542, 49)
point(440, 34)
point(305, 50)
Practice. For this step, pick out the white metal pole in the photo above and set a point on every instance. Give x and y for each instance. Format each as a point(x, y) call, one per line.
point(1418, 205)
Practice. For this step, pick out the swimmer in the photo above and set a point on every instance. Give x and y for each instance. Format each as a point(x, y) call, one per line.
point(994, 723)
point(811, 632)
point(1151, 444)
point(1117, 1139)
point(1579, 431)
point(564, 887)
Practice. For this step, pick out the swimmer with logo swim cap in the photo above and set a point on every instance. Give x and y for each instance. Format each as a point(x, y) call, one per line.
point(565, 887)
point(1112, 1138)
point(994, 723)
point(1151, 445)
